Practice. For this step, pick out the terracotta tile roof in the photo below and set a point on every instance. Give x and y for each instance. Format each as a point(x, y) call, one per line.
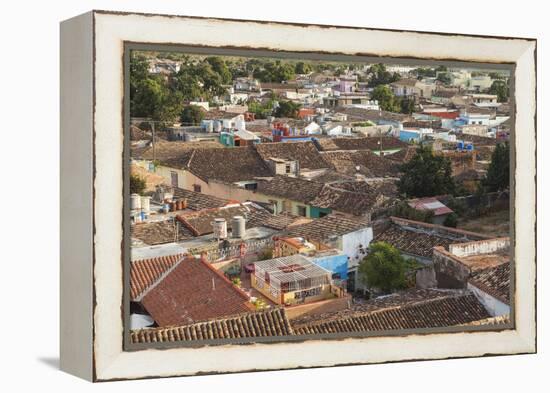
point(494, 280)
point(146, 272)
point(304, 152)
point(200, 223)
point(328, 226)
point(357, 198)
point(199, 201)
point(361, 162)
point(399, 299)
point(228, 164)
point(437, 312)
point(403, 155)
point(159, 232)
point(165, 150)
point(269, 323)
point(417, 238)
point(223, 164)
point(369, 143)
point(263, 218)
point(292, 188)
point(193, 291)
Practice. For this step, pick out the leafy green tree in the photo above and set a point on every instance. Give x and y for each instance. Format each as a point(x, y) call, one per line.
point(451, 220)
point(500, 88)
point(303, 68)
point(406, 105)
point(287, 109)
point(386, 99)
point(498, 173)
point(426, 175)
point(379, 75)
point(424, 72)
point(137, 185)
point(261, 111)
point(192, 115)
point(444, 78)
point(384, 267)
point(220, 66)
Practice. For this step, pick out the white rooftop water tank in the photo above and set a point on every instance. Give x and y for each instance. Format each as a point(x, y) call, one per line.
point(220, 228)
point(238, 227)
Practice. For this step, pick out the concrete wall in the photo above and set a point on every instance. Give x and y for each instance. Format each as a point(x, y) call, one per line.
point(426, 278)
point(480, 247)
point(336, 264)
point(351, 243)
point(449, 271)
point(325, 306)
point(494, 306)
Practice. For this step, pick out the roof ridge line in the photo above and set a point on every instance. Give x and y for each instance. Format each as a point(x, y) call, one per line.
point(140, 297)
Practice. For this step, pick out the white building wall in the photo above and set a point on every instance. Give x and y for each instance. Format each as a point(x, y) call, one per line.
point(351, 243)
point(494, 306)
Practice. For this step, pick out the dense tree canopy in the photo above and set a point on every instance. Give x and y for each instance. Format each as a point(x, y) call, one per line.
point(386, 99)
point(261, 110)
point(287, 109)
point(191, 115)
point(303, 68)
point(162, 98)
point(426, 175)
point(379, 75)
point(273, 71)
point(383, 268)
point(500, 88)
point(498, 174)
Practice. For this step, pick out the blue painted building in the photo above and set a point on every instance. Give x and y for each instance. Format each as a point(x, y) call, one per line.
point(332, 260)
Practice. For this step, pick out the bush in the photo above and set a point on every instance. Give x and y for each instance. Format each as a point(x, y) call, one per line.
point(137, 185)
point(384, 268)
point(451, 220)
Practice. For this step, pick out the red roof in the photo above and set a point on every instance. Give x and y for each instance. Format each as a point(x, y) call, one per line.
point(145, 272)
point(193, 291)
point(432, 204)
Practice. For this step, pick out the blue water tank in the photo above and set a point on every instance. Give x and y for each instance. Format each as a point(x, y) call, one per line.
point(460, 145)
point(470, 147)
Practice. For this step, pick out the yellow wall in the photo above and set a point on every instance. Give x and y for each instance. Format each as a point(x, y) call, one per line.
point(288, 297)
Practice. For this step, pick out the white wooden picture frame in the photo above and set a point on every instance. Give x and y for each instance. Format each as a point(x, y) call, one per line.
point(92, 214)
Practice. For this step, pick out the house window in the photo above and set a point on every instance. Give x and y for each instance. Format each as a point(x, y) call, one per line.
point(302, 211)
point(251, 186)
point(197, 187)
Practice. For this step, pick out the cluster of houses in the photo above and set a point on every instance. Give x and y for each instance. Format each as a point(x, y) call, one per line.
point(254, 228)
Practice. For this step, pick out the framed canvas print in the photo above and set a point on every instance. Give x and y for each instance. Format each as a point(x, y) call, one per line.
point(246, 195)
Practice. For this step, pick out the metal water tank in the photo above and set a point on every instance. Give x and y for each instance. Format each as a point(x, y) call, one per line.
point(238, 227)
point(220, 228)
point(135, 202)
